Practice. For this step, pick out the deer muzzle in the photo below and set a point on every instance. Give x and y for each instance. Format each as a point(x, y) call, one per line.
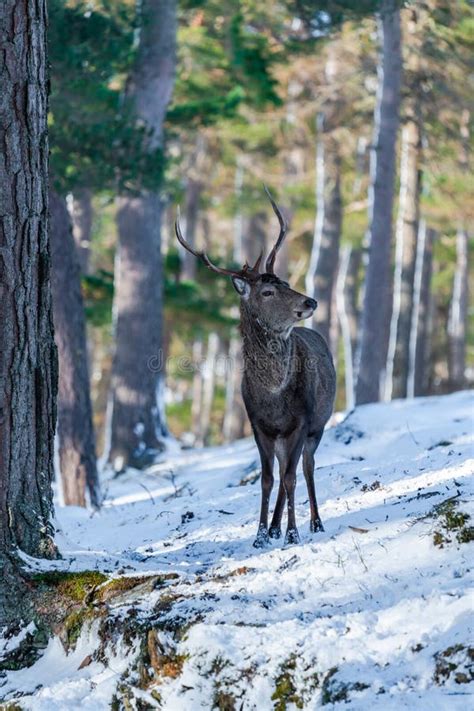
point(306, 309)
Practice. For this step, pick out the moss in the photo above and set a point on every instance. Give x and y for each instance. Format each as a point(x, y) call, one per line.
point(453, 523)
point(74, 586)
point(285, 689)
point(74, 623)
point(155, 694)
point(117, 586)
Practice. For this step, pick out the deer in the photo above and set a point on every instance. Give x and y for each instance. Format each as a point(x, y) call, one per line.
point(288, 381)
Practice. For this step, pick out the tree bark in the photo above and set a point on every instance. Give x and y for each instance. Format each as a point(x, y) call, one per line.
point(82, 216)
point(376, 311)
point(418, 373)
point(458, 315)
point(406, 239)
point(322, 272)
point(209, 380)
point(407, 226)
point(77, 455)
point(138, 423)
point(28, 361)
point(231, 423)
point(321, 278)
point(346, 301)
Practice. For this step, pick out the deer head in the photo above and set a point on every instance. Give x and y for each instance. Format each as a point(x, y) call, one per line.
point(264, 297)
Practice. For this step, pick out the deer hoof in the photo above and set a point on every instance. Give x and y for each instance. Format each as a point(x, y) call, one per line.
point(262, 539)
point(274, 532)
point(316, 526)
point(292, 536)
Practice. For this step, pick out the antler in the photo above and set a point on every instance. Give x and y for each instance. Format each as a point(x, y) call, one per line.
point(283, 229)
point(247, 272)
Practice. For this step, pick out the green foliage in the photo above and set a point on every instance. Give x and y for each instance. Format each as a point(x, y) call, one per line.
point(70, 585)
point(94, 140)
point(250, 61)
point(190, 307)
point(285, 689)
point(453, 523)
point(98, 291)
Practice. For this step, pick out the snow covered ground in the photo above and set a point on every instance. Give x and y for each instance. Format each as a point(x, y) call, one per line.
point(370, 614)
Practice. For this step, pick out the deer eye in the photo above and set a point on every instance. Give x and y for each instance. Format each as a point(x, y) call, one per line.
point(267, 292)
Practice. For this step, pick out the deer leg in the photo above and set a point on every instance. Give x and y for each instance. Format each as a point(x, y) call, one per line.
point(294, 446)
point(310, 448)
point(266, 448)
point(275, 527)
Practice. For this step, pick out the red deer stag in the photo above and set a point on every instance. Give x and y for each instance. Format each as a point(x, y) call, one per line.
point(288, 384)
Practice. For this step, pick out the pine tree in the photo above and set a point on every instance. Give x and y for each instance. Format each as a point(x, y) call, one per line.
point(376, 311)
point(138, 424)
point(77, 455)
point(28, 361)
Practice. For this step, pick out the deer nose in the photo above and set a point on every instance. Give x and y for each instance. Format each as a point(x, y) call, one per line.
point(311, 304)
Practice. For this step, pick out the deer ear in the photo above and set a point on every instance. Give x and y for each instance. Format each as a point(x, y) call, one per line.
point(242, 287)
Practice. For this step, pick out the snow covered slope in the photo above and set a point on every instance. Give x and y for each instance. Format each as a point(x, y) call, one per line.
point(374, 613)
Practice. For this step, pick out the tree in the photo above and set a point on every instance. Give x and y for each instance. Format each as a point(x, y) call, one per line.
point(77, 455)
point(376, 310)
point(327, 232)
point(82, 105)
point(408, 212)
point(346, 302)
point(28, 364)
point(419, 369)
point(82, 215)
point(458, 314)
point(197, 171)
point(138, 425)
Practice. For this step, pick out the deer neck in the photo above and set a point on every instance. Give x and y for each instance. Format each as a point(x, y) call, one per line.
point(267, 355)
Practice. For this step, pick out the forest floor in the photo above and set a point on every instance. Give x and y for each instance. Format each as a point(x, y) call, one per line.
point(183, 613)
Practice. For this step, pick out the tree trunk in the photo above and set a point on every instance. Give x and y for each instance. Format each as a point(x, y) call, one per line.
point(458, 315)
point(325, 253)
point(230, 425)
point(420, 329)
point(322, 272)
point(197, 388)
point(194, 188)
point(138, 425)
point(376, 311)
point(255, 239)
point(28, 361)
point(407, 226)
point(346, 300)
point(193, 195)
point(77, 455)
point(82, 216)
point(209, 380)
point(406, 239)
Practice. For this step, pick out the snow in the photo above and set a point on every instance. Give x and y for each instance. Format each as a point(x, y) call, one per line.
point(365, 610)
